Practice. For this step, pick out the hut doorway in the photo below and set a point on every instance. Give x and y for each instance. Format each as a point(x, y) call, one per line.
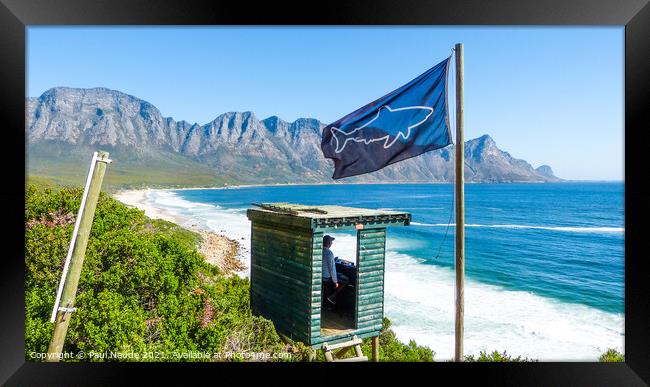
point(340, 317)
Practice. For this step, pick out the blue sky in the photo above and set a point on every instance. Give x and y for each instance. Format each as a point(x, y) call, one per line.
point(549, 95)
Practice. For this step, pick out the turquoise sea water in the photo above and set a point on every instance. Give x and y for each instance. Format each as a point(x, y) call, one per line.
point(544, 262)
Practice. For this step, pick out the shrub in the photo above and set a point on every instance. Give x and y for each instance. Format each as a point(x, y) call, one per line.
point(496, 356)
point(391, 349)
point(143, 288)
point(612, 355)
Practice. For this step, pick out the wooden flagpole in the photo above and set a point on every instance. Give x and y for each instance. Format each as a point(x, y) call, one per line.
point(64, 304)
point(460, 206)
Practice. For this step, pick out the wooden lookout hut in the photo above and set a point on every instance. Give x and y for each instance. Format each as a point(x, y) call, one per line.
point(286, 271)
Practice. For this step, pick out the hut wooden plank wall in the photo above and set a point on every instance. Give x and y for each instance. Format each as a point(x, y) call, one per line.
point(286, 266)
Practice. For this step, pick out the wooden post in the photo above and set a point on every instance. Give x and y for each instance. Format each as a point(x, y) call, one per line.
point(460, 205)
point(375, 348)
point(70, 280)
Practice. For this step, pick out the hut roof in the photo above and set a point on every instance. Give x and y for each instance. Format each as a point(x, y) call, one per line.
point(324, 216)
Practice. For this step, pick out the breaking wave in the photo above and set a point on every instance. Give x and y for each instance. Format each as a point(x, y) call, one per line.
point(521, 226)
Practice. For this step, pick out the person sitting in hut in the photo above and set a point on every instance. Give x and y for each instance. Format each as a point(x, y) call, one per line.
point(333, 282)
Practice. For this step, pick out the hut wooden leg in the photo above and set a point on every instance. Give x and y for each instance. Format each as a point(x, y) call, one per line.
point(328, 355)
point(375, 348)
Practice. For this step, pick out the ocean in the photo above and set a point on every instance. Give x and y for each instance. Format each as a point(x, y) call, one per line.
point(544, 263)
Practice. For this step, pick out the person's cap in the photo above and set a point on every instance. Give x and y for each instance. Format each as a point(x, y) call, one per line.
point(327, 238)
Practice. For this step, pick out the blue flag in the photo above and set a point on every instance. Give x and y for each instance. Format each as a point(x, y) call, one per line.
point(402, 124)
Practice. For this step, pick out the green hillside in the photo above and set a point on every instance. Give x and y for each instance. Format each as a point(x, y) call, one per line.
point(128, 170)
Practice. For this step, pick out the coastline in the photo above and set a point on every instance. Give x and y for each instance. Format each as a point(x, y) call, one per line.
point(128, 191)
point(138, 198)
point(237, 186)
point(223, 251)
point(406, 281)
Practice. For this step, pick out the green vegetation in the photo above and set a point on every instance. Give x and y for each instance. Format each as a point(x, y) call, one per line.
point(61, 166)
point(612, 355)
point(143, 289)
point(496, 356)
point(391, 349)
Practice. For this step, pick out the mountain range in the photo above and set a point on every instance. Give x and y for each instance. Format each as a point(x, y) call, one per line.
point(65, 125)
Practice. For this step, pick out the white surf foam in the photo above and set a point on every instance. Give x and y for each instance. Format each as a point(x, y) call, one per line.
point(229, 223)
point(521, 226)
point(171, 200)
point(420, 300)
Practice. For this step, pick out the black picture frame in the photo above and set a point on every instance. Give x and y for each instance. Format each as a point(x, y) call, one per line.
point(16, 15)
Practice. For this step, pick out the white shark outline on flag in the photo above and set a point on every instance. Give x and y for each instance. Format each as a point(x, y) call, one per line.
point(349, 136)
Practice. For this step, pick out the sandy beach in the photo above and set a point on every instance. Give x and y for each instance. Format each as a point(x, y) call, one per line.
point(219, 250)
point(138, 199)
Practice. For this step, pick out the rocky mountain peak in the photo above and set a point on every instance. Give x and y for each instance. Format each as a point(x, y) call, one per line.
point(482, 143)
point(482, 147)
point(275, 125)
point(545, 170)
point(486, 140)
